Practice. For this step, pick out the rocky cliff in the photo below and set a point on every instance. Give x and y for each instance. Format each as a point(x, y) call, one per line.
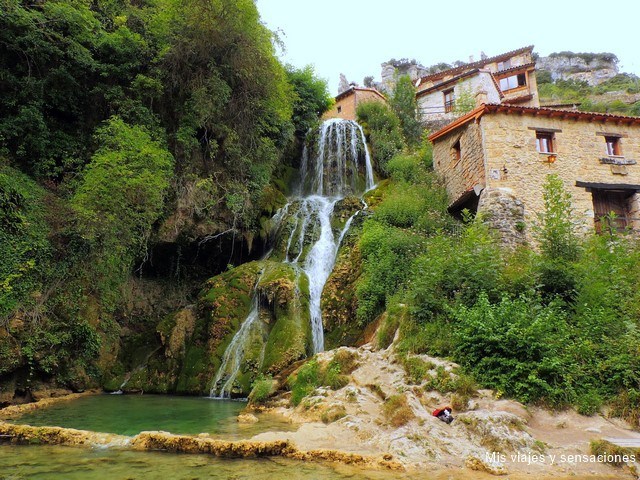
point(593, 68)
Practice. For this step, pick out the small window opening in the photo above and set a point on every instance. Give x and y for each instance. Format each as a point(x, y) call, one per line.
point(613, 146)
point(545, 142)
point(339, 109)
point(457, 152)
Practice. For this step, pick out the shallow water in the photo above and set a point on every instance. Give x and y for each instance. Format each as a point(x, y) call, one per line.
point(132, 414)
point(55, 462)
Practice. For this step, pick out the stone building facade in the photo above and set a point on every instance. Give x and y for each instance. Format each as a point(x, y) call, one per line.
point(496, 159)
point(506, 78)
point(347, 102)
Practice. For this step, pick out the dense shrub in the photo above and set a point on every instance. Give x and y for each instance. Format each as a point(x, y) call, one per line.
point(383, 130)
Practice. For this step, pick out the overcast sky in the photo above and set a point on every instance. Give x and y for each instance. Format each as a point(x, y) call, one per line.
point(355, 36)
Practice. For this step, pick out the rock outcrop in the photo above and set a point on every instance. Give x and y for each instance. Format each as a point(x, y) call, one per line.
point(593, 68)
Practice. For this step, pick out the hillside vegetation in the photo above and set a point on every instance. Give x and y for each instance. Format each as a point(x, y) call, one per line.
point(556, 325)
point(132, 135)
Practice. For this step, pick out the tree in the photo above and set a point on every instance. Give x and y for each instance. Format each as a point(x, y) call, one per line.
point(403, 103)
point(311, 97)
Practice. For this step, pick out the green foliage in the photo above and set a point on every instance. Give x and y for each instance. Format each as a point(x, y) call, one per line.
point(557, 325)
point(415, 368)
point(261, 390)
point(465, 101)
point(387, 253)
point(510, 346)
point(313, 375)
point(403, 103)
point(120, 196)
point(311, 98)
point(383, 129)
point(24, 245)
point(305, 381)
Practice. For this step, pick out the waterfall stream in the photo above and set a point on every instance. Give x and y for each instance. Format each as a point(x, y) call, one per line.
point(335, 166)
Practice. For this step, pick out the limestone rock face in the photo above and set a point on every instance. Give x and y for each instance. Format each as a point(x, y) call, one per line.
point(591, 68)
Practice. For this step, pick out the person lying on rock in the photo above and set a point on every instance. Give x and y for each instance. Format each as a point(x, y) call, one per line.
point(443, 414)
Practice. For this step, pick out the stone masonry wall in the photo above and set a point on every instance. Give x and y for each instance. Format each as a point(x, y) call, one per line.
point(514, 165)
point(349, 104)
point(460, 175)
point(505, 214)
point(431, 105)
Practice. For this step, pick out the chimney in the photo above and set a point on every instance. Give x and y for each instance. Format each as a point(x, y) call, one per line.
point(481, 97)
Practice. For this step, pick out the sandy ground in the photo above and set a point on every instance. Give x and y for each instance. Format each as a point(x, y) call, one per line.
point(528, 442)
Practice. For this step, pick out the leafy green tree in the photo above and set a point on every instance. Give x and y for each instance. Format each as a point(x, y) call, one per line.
point(120, 196)
point(403, 103)
point(384, 132)
point(311, 98)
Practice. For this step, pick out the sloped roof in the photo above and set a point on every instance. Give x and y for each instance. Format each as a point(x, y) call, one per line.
point(478, 64)
point(352, 90)
point(455, 79)
point(533, 111)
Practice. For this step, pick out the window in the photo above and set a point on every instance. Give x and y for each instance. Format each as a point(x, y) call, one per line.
point(611, 210)
point(339, 109)
point(457, 152)
point(449, 100)
point(545, 142)
point(514, 81)
point(504, 65)
point(613, 146)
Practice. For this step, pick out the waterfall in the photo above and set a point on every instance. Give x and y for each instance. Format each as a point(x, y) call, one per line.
point(335, 166)
point(325, 178)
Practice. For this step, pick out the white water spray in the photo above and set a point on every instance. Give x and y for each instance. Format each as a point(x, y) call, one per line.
point(338, 166)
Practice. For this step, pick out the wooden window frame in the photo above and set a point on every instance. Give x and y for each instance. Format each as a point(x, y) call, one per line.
point(449, 100)
point(550, 142)
point(521, 81)
point(612, 145)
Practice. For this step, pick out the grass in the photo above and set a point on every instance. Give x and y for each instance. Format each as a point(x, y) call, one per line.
point(397, 411)
point(333, 413)
point(612, 454)
point(416, 369)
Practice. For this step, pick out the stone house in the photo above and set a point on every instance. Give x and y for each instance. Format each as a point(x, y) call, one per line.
point(348, 101)
point(496, 158)
point(506, 78)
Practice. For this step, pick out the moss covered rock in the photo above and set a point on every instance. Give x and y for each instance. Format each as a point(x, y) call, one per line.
point(186, 350)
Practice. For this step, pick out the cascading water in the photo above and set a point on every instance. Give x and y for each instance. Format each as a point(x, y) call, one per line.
point(327, 176)
point(307, 232)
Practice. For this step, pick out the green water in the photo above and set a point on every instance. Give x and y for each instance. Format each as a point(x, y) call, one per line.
point(54, 462)
point(132, 414)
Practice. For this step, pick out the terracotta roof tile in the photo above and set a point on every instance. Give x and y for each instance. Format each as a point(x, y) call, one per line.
point(351, 90)
point(478, 64)
point(536, 111)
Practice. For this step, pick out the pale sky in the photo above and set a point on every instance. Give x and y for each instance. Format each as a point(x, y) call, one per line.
point(355, 36)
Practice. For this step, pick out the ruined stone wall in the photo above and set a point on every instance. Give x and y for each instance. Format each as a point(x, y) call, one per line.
point(504, 213)
point(514, 165)
point(460, 175)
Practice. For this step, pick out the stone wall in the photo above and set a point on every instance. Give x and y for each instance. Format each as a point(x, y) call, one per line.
point(461, 175)
point(514, 165)
point(345, 108)
point(504, 213)
point(431, 105)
